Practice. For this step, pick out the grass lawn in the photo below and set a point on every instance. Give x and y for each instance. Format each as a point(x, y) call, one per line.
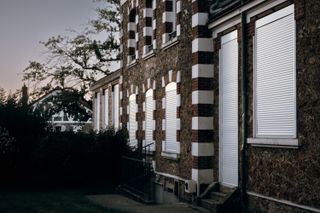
point(55, 201)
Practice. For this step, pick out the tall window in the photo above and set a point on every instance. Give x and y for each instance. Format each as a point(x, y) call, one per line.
point(115, 105)
point(133, 39)
point(171, 144)
point(170, 20)
point(275, 75)
point(106, 108)
point(97, 111)
point(149, 121)
point(132, 120)
point(148, 33)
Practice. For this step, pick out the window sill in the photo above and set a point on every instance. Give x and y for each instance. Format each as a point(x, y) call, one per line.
point(170, 155)
point(170, 43)
point(285, 143)
point(132, 63)
point(148, 55)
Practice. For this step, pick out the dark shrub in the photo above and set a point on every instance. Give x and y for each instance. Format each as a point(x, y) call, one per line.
point(80, 156)
point(8, 153)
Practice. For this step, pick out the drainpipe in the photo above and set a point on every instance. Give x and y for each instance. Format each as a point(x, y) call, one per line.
point(244, 66)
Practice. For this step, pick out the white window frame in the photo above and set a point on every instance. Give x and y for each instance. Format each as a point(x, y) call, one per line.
point(270, 140)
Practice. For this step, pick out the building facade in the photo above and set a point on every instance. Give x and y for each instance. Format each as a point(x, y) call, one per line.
point(227, 92)
point(62, 121)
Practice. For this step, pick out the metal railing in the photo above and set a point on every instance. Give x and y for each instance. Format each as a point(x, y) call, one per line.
point(137, 172)
point(132, 58)
point(172, 35)
point(149, 48)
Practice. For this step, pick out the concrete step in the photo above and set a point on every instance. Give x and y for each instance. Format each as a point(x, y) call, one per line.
point(218, 194)
point(218, 198)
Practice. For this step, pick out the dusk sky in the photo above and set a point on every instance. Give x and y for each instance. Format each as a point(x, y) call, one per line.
point(24, 23)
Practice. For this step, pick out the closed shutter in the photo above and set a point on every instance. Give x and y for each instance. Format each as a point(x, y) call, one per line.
point(229, 109)
point(132, 120)
point(116, 106)
point(106, 108)
point(275, 94)
point(171, 118)
point(98, 112)
point(149, 117)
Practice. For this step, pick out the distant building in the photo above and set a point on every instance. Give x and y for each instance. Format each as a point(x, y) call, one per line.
point(106, 105)
point(61, 121)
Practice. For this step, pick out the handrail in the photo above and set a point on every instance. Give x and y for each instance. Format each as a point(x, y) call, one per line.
point(148, 145)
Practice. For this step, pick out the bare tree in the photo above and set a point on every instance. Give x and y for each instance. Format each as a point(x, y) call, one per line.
point(78, 61)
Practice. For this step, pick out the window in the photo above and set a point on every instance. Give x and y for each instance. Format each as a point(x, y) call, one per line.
point(97, 111)
point(132, 120)
point(275, 77)
point(106, 108)
point(170, 20)
point(133, 38)
point(115, 105)
point(171, 144)
point(149, 121)
point(149, 26)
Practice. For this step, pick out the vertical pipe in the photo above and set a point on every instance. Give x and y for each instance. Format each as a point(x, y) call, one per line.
point(244, 66)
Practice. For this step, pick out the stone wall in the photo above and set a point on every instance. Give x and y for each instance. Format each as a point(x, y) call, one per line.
point(154, 67)
point(293, 174)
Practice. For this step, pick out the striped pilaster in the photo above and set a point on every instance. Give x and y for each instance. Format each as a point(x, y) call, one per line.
point(202, 96)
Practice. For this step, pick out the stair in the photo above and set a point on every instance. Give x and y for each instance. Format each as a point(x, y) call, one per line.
point(218, 198)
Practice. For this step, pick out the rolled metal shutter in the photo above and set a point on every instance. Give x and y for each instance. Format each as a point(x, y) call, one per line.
point(116, 106)
point(229, 109)
point(149, 117)
point(171, 118)
point(132, 120)
point(106, 108)
point(275, 90)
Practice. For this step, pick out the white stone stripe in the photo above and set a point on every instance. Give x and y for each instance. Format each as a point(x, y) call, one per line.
point(168, 17)
point(178, 6)
point(202, 97)
point(147, 31)
point(202, 44)
point(202, 149)
point(147, 12)
point(199, 19)
point(132, 43)
point(202, 123)
point(178, 77)
point(202, 71)
point(202, 175)
point(178, 30)
point(132, 26)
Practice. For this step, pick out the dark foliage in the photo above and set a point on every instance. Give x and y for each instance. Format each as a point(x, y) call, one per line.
point(21, 127)
point(78, 157)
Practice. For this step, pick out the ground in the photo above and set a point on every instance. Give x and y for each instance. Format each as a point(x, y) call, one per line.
point(75, 199)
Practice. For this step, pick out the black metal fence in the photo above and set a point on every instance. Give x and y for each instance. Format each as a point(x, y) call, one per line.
point(137, 173)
